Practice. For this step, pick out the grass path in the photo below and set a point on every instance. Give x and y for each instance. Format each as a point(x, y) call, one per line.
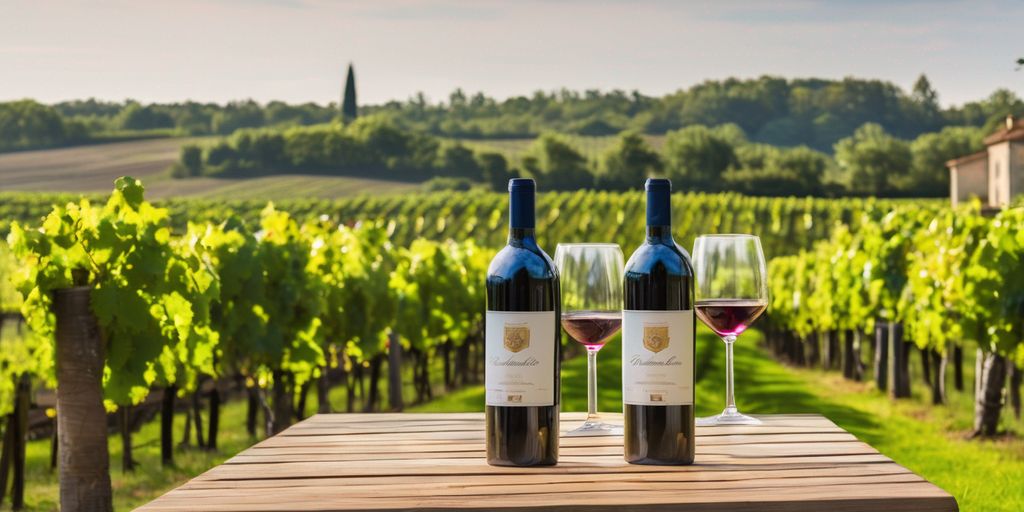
point(983, 476)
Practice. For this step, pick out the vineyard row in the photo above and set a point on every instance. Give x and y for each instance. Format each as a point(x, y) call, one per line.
point(943, 281)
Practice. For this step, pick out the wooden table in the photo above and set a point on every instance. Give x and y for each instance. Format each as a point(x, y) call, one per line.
point(436, 462)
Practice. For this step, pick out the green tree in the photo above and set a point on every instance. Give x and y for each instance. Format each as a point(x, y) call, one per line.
point(872, 161)
point(457, 161)
point(259, 149)
point(696, 157)
point(596, 126)
point(766, 170)
point(731, 133)
point(349, 110)
point(988, 113)
point(236, 115)
point(926, 104)
point(138, 117)
point(784, 131)
point(222, 156)
point(755, 156)
point(552, 159)
point(805, 164)
point(494, 167)
point(924, 94)
point(192, 159)
point(930, 152)
point(189, 164)
point(627, 163)
point(28, 124)
point(382, 143)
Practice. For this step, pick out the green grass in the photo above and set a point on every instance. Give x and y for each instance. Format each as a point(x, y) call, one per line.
point(149, 480)
point(982, 475)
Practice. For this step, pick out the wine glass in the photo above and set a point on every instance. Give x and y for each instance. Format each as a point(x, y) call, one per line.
point(732, 292)
point(591, 283)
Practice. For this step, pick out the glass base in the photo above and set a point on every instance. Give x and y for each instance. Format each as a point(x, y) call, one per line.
point(595, 428)
point(728, 417)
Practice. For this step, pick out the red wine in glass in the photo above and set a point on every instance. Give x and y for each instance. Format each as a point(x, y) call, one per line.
point(592, 328)
point(729, 317)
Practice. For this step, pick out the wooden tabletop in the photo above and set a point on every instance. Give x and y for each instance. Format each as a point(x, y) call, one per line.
point(436, 462)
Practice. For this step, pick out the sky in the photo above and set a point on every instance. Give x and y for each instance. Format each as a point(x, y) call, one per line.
point(297, 50)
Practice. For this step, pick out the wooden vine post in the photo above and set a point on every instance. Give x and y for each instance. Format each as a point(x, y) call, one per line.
point(988, 396)
point(167, 426)
point(395, 372)
point(12, 458)
point(899, 355)
point(81, 418)
point(881, 367)
point(20, 427)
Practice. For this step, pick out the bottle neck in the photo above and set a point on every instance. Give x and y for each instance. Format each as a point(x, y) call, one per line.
point(521, 236)
point(659, 213)
point(521, 214)
point(659, 233)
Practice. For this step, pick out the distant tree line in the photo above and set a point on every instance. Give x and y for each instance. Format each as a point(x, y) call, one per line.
point(800, 112)
point(27, 124)
point(771, 110)
point(370, 146)
point(871, 161)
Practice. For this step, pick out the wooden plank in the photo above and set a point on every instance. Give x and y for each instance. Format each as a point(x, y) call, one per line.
point(436, 462)
point(433, 445)
point(405, 417)
point(369, 491)
point(477, 451)
point(851, 471)
point(918, 496)
point(339, 436)
point(476, 465)
point(455, 431)
point(324, 424)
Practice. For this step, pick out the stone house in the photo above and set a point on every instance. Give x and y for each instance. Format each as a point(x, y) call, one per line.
point(994, 175)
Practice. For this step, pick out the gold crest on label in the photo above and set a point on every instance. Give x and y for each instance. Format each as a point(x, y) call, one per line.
point(655, 337)
point(517, 337)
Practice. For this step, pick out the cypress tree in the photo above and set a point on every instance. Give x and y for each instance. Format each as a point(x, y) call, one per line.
point(348, 103)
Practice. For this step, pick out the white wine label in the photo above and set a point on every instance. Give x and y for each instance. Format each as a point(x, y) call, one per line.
point(520, 358)
point(657, 357)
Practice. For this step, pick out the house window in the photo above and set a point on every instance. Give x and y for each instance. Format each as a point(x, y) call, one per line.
point(995, 182)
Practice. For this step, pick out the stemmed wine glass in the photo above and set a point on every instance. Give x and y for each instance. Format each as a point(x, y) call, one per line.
point(732, 292)
point(591, 283)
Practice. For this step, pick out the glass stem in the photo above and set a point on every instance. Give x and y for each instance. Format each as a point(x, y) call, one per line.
point(730, 398)
point(591, 385)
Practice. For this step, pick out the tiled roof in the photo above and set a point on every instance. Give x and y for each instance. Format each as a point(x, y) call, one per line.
point(1014, 130)
point(969, 158)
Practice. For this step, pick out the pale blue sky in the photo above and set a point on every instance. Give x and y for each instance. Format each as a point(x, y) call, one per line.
point(296, 50)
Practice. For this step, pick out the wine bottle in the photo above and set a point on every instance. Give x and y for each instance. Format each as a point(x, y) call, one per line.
point(658, 342)
point(521, 343)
